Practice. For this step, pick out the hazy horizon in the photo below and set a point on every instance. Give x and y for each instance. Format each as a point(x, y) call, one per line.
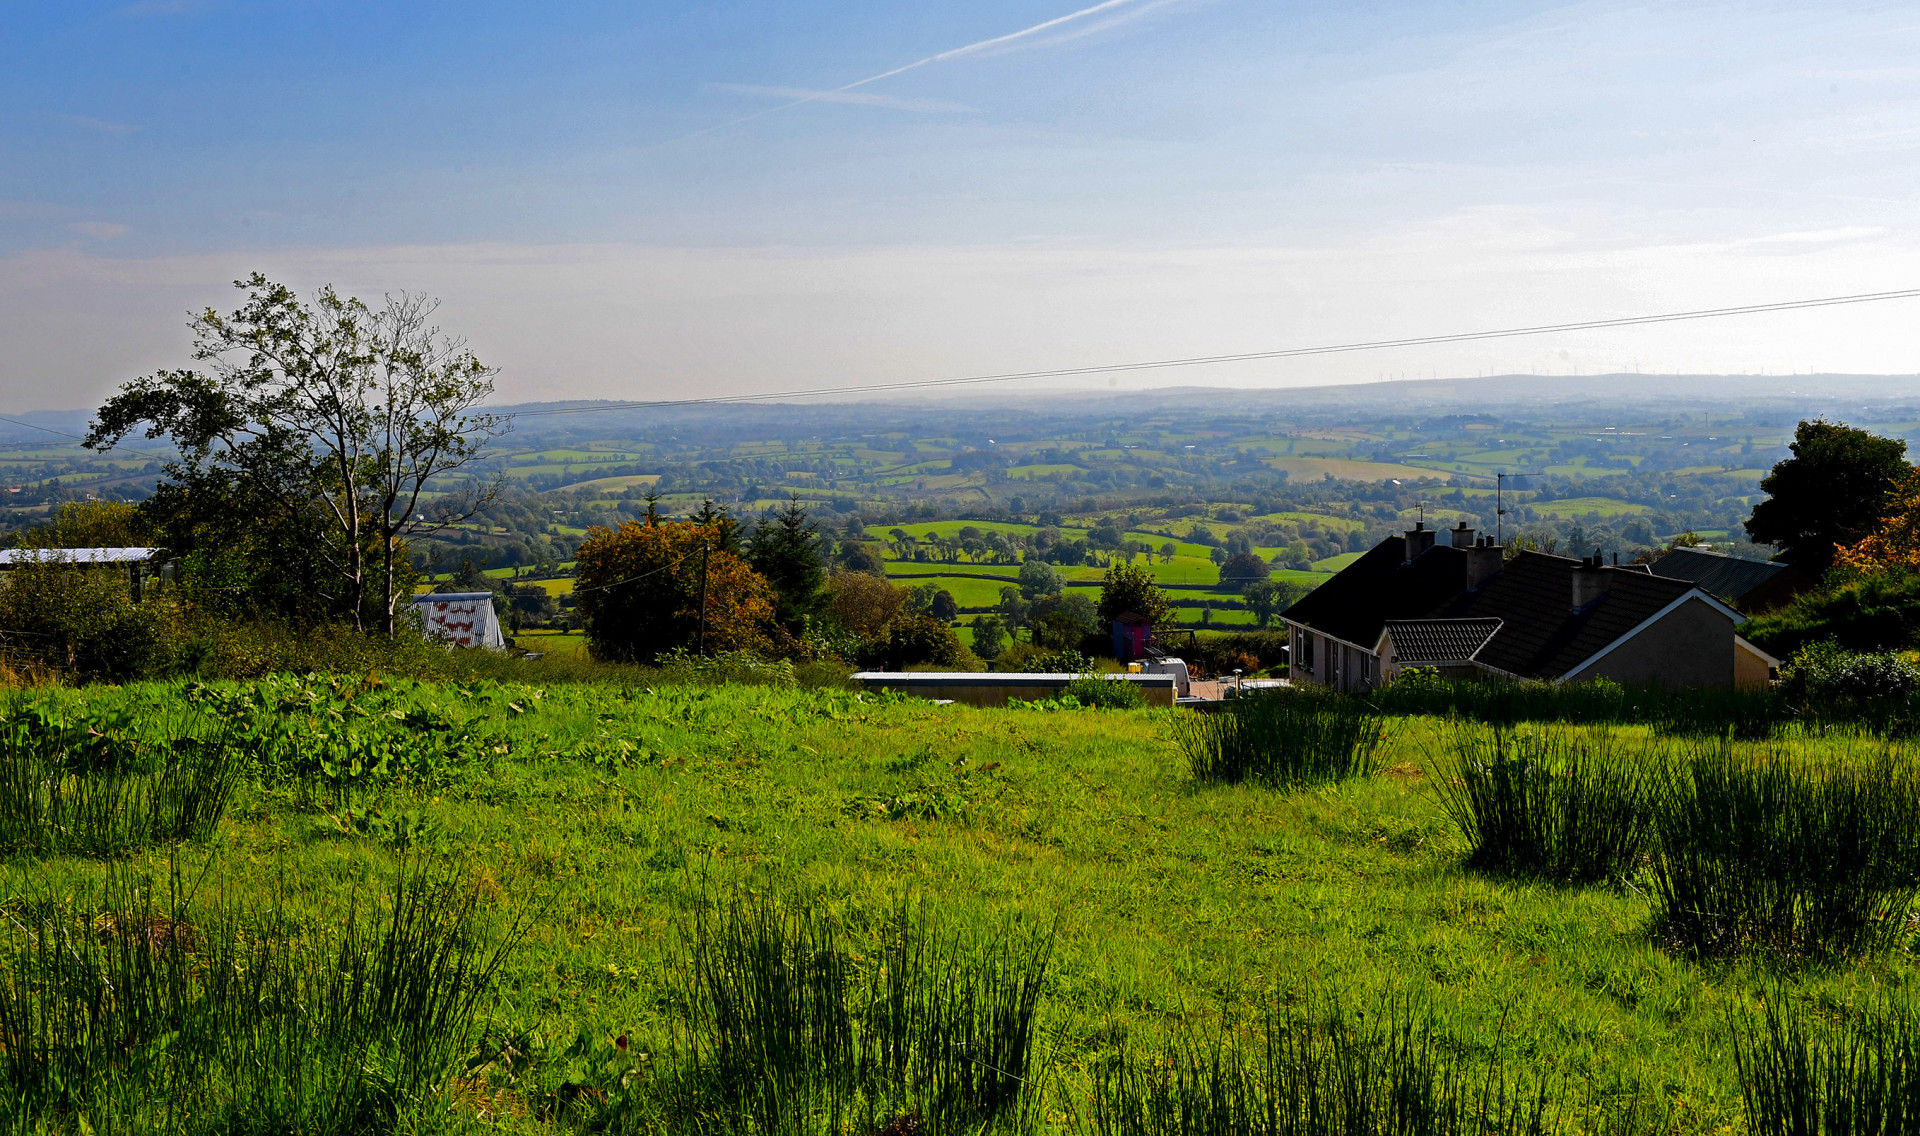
point(646, 201)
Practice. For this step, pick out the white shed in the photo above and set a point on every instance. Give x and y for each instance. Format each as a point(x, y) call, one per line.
point(463, 619)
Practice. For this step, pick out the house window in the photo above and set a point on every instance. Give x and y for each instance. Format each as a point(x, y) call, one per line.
point(1366, 670)
point(1306, 652)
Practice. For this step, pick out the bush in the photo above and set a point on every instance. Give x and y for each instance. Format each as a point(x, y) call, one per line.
point(1801, 857)
point(1028, 658)
point(1104, 693)
point(1283, 738)
point(1389, 1073)
point(66, 787)
point(1824, 673)
point(149, 1013)
point(1801, 1076)
point(786, 1023)
point(1548, 803)
point(83, 621)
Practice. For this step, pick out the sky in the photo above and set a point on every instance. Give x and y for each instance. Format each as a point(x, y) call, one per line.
point(639, 200)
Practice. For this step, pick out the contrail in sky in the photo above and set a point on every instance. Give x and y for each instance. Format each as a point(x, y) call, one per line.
point(954, 53)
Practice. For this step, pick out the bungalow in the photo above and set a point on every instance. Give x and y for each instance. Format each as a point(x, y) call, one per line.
point(1752, 586)
point(1465, 609)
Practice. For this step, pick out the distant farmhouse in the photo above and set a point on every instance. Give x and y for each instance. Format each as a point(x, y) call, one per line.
point(1464, 609)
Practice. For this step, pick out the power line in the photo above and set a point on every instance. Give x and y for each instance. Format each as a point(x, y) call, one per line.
point(64, 434)
point(1250, 356)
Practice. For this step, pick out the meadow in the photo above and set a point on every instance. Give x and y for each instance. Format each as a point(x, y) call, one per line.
point(595, 889)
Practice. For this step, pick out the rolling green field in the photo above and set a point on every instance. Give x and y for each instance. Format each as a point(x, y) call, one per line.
point(606, 818)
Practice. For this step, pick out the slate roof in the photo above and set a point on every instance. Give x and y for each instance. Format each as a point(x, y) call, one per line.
point(1357, 603)
point(1423, 642)
point(1728, 577)
point(1541, 637)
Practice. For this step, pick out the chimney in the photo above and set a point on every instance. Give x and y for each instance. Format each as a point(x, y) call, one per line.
point(1460, 536)
point(1590, 582)
point(1419, 539)
point(1484, 561)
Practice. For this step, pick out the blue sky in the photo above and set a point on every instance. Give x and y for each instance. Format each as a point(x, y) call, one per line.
point(627, 200)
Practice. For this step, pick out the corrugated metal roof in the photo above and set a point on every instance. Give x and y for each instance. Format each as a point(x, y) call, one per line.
point(10, 556)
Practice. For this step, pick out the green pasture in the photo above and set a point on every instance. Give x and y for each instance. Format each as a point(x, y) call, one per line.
point(1581, 506)
point(605, 815)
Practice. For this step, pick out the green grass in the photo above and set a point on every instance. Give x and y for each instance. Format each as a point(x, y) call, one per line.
point(614, 813)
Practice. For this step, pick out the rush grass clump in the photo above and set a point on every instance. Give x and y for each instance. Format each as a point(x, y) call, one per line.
point(1549, 802)
point(1801, 1075)
point(127, 1010)
point(1307, 1074)
point(1802, 856)
point(787, 1028)
point(68, 788)
point(1283, 739)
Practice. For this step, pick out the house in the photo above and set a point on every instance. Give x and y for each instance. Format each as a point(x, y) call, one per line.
point(1752, 586)
point(1461, 607)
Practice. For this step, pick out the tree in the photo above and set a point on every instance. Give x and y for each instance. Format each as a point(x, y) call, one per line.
point(642, 590)
point(1062, 620)
point(1241, 569)
point(332, 414)
point(1168, 551)
point(1130, 589)
point(863, 604)
point(785, 548)
point(1894, 545)
point(1262, 599)
point(1038, 578)
point(1832, 491)
point(1013, 608)
point(856, 557)
point(989, 637)
point(90, 524)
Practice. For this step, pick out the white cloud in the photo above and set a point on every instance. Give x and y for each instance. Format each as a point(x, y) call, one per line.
point(854, 98)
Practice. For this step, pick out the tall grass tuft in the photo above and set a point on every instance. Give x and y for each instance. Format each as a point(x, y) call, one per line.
point(66, 788)
point(1800, 857)
point(1283, 739)
point(788, 1030)
point(147, 1012)
point(1804, 1077)
point(1310, 1075)
point(1549, 802)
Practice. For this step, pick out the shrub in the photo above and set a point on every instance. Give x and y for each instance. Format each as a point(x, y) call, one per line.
point(145, 1012)
point(1283, 738)
point(1104, 693)
point(1548, 802)
point(1801, 1076)
point(1027, 658)
point(68, 788)
point(1801, 857)
point(1824, 673)
point(82, 621)
point(785, 1023)
point(1389, 1073)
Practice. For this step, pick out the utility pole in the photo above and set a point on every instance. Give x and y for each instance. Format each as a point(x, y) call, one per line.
point(703, 599)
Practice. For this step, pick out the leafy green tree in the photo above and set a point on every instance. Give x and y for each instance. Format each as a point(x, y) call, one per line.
point(989, 637)
point(91, 524)
point(785, 548)
point(1263, 598)
point(1062, 621)
point(1129, 588)
point(1038, 578)
point(1832, 491)
point(331, 416)
point(1242, 569)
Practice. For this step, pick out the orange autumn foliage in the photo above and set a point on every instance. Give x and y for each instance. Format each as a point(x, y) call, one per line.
point(639, 592)
point(1895, 545)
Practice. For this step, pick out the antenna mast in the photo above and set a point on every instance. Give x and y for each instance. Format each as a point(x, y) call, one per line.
point(1499, 508)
